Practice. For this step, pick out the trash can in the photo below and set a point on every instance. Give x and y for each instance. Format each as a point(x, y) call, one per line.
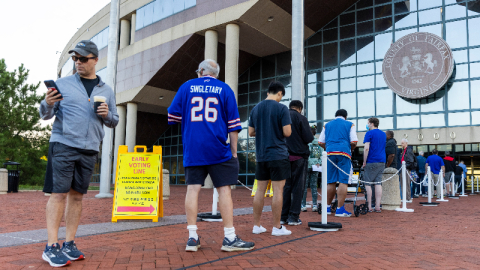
point(13, 176)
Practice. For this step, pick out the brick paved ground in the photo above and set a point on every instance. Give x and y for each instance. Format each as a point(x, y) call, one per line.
point(443, 237)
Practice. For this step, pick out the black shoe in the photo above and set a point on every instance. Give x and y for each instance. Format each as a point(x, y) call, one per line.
point(294, 221)
point(193, 244)
point(70, 250)
point(54, 256)
point(236, 245)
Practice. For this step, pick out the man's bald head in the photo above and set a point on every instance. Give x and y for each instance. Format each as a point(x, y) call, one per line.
point(209, 67)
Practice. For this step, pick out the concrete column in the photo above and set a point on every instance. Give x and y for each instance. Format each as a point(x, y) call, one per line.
point(124, 33)
point(298, 72)
point(3, 181)
point(119, 134)
point(232, 49)
point(134, 25)
point(211, 44)
point(131, 130)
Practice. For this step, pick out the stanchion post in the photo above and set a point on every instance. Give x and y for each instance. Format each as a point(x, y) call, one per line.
point(430, 191)
point(463, 187)
point(473, 188)
point(215, 201)
point(477, 185)
point(404, 190)
point(441, 184)
point(452, 184)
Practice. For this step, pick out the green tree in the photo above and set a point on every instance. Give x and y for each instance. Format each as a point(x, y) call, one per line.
point(22, 138)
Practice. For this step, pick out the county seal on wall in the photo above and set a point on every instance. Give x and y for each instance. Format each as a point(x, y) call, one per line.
point(417, 65)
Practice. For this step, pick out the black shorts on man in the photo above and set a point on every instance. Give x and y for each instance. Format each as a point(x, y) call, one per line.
point(72, 168)
point(222, 174)
point(275, 170)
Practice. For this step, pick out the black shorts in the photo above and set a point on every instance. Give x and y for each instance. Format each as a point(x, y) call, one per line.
point(222, 174)
point(275, 170)
point(71, 169)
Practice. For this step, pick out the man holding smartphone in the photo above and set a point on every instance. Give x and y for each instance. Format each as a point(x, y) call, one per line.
point(76, 136)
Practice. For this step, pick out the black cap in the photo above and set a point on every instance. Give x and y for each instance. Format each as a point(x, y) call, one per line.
point(84, 48)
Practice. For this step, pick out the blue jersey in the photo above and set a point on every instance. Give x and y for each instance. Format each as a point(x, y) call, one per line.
point(207, 110)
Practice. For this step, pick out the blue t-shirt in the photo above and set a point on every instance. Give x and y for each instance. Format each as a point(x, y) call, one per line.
point(435, 162)
point(377, 140)
point(207, 110)
point(268, 119)
point(421, 164)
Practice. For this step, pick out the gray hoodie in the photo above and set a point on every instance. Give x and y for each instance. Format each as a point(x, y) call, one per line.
point(76, 124)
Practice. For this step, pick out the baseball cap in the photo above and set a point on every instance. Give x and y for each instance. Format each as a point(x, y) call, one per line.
point(84, 48)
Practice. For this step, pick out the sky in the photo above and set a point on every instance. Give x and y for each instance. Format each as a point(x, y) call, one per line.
point(32, 31)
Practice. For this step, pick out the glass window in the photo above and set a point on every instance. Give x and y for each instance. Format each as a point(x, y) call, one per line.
point(330, 106)
point(312, 89)
point(312, 77)
point(365, 49)
point(148, 19)
point(347, 50)
point(475, 93)
point(458, 96)
point(454, 12)
point(366, 82)
point(462, 71)
point(459, 119)
point(379, 67)
point(178, 5)
point(284, 63)
point(386, 123)
point(400, 34)
point(406, 107)
point(412, 121)
point(434, 106)
point(347, 18)
point(460, 56)
point(347, 31)
point(139, 18)
point(268, 66)
point(330, 35)
point(366, 104)
point(365, 69)
point(190, 3)
point(365, 28)
point(330, 87)
point(457, 34)
point(349, 103)
point(475, 118)
point(474, 70)
point(430, 16)
point(406, 20)
point(434, 29)
point(382, 44)
point(433, 120)
point(365, 15)
point(429, 3)
point(474, 53)
point(315, 39)
point(330, 55)
point(347, 85)
point(347, 71)
point(314, 57)
point(330, 74)
point(380, 81)
point(312, 109)
point(384, 102)
point(473, 35)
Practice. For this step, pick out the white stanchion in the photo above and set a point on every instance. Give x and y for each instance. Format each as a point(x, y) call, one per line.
point(430, 191)
point(441, 184)
point(215, 201)
point(473, 188)
point(214, 216)
point(463, 187)
point(324, 226)
point(404, 190)
point(477, 185)
point(453, 187)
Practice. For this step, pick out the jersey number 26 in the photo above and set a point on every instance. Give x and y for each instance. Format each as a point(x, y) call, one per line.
point(210, 112)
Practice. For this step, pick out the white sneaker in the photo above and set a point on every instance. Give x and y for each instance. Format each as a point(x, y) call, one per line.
point(304, 209)
point(410, 201)
point(282, 231)
point(314, 209)
point(258, 230)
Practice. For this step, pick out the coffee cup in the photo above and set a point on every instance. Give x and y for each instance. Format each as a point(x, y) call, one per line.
point(97, 101)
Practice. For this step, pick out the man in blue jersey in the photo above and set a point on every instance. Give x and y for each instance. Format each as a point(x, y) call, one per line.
point(339, 138)
point(374, 161)
point(436, 164)
point(207, 110)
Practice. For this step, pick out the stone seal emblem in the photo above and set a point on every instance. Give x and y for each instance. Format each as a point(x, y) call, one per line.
point(418, 65)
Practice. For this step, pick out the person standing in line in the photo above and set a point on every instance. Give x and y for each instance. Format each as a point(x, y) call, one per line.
point(458, 176)
point(315, 159)
point(374, 161)
point(436, 164)
point(464, 167)
point(76, 136)
point(270, 124)
point(390, 150)
point(299, 152)
point(207, 110)
point(449, 172)
point(339, 138)
point(421, 172)
point(410, 164)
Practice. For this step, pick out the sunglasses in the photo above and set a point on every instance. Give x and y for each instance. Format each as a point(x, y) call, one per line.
point(198, 70)
point(82, 58)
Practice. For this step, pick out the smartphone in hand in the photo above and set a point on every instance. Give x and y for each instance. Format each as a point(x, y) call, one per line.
point(52, 85)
